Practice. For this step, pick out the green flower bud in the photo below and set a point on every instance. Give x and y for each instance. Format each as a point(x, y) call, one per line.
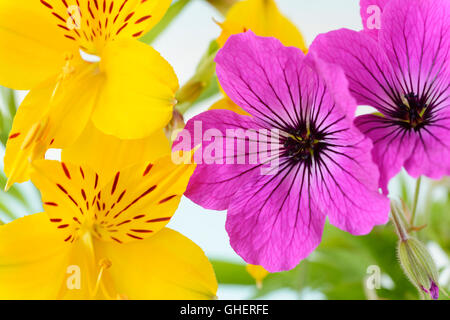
point(419, 266)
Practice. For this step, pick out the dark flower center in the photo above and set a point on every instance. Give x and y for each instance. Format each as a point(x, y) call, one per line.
point(303, 145)
point(412, 112)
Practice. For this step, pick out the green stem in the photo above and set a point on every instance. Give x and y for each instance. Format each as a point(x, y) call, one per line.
point(416, 199)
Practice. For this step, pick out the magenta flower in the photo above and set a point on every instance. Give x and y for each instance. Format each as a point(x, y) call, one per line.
point(403, 71)
point(325, 167)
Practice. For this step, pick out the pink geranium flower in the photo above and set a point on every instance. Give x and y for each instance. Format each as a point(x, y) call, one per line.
point(401, 69)
point(325, 167)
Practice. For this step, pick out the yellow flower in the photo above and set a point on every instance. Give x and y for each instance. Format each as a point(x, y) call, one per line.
point(128, 93)
point(104, 238)
point(263, 18)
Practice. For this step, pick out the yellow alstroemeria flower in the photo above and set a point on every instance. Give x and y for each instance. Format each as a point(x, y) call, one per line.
point(104, 239)
point(263, 18)
point(128, 93)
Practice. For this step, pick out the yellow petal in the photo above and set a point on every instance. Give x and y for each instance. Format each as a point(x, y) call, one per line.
point(105, 153)
point(68, 194)
point(264, 19)
point(53, 115)
point(138, 95)
point(141, 199)
point(33, 259)
point(32, 46)
point(227, 104)
point(92, 24)
point(165, 266)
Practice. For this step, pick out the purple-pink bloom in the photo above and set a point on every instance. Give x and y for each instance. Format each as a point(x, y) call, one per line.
point(325, 168)
point(433, 291)
point(403, 71)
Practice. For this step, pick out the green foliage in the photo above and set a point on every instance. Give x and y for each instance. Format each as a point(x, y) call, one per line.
point(7, 113)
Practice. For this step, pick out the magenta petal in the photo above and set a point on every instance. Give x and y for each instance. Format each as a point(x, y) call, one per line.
point(431, 155)
point(214, 181)
point(273, 222)
point(348, 191)
point(367, 68)
point(392, 146)
point(415, 37)
point(260, 75)
point(371, 11)
point(434, 291)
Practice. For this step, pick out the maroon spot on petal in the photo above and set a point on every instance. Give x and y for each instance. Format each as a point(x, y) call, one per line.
point(59, 17)
point(90, 10)
point(68, 238)
point(56, 220)
point(117, 240)
point(82, 172)
point(141, 230)
point(123, 4)
point(83, 194)
point(121, 196)
point(64, 3)
point(159, 219)
point(66, 171)
point(48, 5)
point(121, 28)
point(139, 216)
point(167, 199)
point(116, 180)
point(62, 226)
point(128, 17)
point(69, 37)
point(73, 200)
point(53, 204)
point(96, 181)
point(63, 27)
point(143, 19)
point(14, 135)
point(76, 220)
point(123, 222)
point(61, 188)
point(137, 34)
point(96, 4)
point(147, 169)
point(133, 236)
point(111, 6)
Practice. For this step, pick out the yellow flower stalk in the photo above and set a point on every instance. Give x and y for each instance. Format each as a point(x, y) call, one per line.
point(103, 236)
point(83, 62)
point(263, 18)
point(258, 273)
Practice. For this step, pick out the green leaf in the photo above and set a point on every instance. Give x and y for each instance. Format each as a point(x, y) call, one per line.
point(7, 114)
point(174, 10)
point(231, 273)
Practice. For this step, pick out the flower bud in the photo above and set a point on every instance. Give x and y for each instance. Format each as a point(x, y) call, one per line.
point(258, 273)
point(222, 5)
point(175, 125)
point(419, 266)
